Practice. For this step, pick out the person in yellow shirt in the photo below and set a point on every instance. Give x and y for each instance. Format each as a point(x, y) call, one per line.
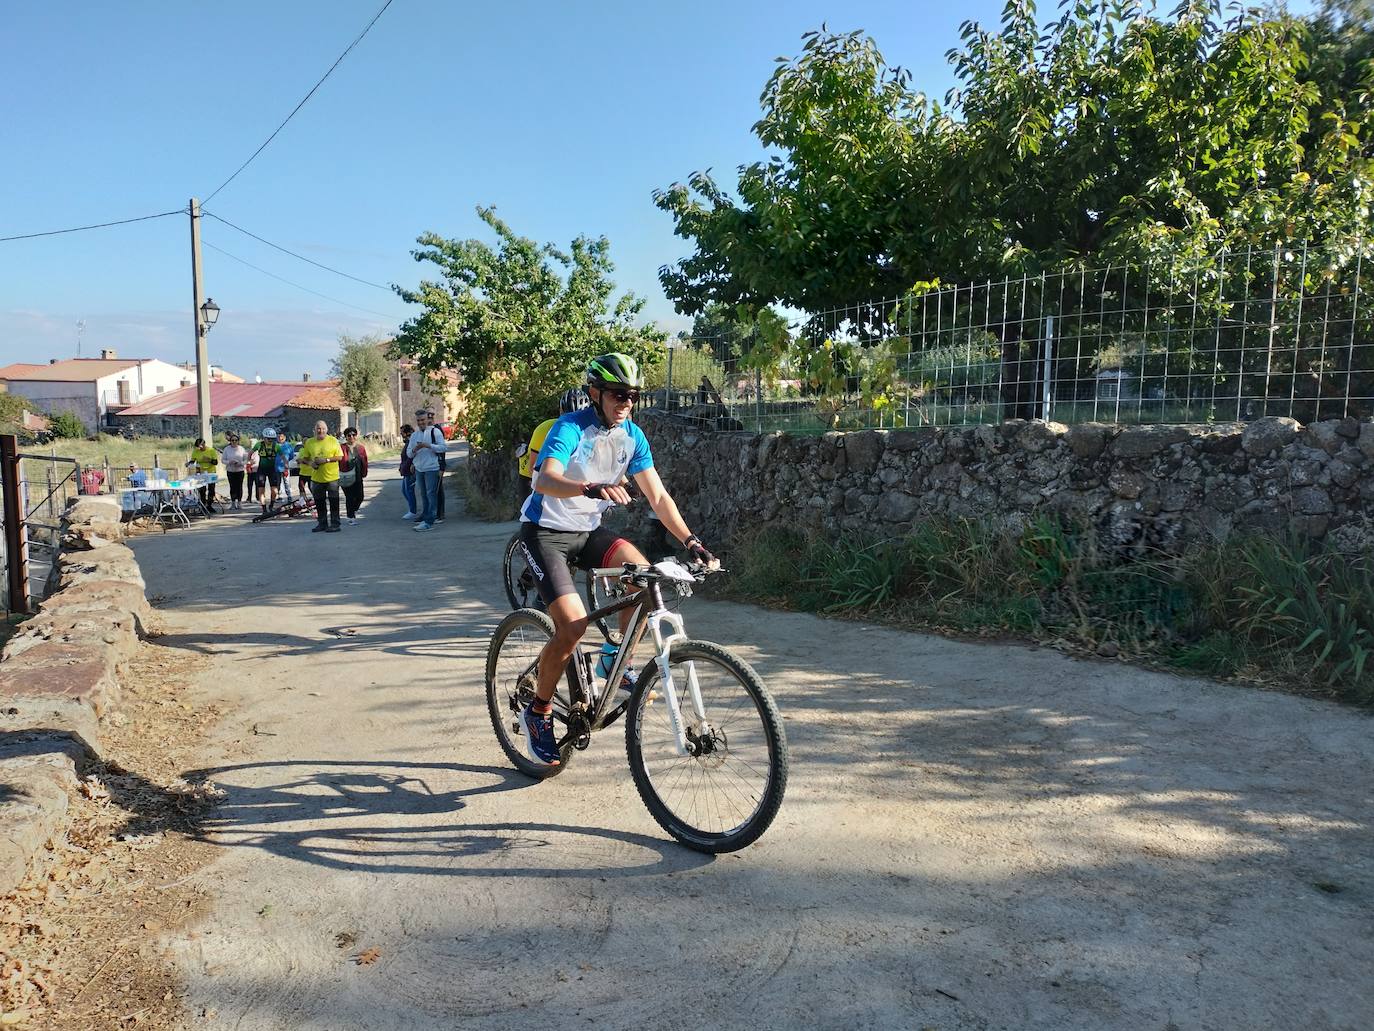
point(205, 459)
point(321, 454)
point(571, 401)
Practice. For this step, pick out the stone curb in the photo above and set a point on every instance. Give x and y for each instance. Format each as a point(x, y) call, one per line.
point(58, 675)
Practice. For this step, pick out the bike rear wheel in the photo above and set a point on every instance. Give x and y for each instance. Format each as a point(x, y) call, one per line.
point(602, 591)
point(521, 591)
point(512, 670)
point(726, 795)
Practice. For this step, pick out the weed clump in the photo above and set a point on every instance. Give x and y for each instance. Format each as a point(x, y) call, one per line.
point(1292, 610)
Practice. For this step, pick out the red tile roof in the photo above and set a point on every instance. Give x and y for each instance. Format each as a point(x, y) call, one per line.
point(248, 400)
point(71, 370)
point(18, 370)
point(323, 396)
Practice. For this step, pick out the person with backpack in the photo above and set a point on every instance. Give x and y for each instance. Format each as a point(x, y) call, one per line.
point(352, 472)
point(443, 467)
point(426, 447)
point(407, 471)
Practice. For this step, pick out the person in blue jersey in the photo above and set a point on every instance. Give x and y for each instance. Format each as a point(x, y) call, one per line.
point(581, 472)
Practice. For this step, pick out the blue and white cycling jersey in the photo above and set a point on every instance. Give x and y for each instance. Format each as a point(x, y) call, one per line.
point(590, 453)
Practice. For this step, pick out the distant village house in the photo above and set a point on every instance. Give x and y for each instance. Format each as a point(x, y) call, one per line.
point(94, 389)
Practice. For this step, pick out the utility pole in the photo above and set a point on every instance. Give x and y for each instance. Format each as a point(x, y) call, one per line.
point(202, 348)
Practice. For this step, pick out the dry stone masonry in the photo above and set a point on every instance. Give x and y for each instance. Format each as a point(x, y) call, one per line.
point(59, 674)
point(1142, 486)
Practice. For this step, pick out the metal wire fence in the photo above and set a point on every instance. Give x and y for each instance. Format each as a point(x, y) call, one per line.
point(1224, 337)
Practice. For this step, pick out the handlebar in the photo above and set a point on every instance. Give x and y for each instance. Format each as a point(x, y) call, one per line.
point(634, 572)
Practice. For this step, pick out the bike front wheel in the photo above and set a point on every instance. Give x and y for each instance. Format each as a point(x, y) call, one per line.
point(512, 674)
point(726, 792)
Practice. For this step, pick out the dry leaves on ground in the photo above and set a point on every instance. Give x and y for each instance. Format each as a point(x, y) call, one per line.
point(82, 942)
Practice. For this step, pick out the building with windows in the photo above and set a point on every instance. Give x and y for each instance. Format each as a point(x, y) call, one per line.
point(439, 391)
point(94, 389)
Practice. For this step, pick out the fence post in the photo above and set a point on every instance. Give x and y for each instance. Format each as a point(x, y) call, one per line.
point(109, 480)
point(668, 390)
point(1047, 388)
point(16, 540)
point(758, 397)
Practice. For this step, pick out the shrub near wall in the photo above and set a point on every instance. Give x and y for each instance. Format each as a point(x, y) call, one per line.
point(1146, 488)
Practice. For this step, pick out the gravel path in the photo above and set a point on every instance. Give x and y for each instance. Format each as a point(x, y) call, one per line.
point(975, 836)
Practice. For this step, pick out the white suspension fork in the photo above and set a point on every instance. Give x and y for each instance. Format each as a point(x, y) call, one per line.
point(663, 646)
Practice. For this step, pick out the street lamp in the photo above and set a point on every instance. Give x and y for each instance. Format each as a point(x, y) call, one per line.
point(209, 313)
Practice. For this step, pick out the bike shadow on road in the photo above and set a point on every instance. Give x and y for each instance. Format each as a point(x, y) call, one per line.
point(385, 817)
point(442, 639)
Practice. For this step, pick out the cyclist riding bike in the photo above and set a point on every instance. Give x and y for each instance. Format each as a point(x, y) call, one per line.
point(571, 400)
point(578, 475)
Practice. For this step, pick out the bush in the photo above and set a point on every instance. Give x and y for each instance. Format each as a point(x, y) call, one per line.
point(689, 365)
point(1294, 610)
point(67, 424)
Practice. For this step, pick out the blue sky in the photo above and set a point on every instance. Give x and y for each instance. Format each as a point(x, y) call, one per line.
point(565, 116)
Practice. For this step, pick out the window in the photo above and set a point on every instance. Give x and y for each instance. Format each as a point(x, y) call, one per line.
point(405, 383)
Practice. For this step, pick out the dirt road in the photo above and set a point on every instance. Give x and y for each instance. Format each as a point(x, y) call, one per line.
point(974, 836)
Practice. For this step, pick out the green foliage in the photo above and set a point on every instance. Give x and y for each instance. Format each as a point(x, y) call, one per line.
point(363, 371)
point(690, 363)
point(520, 320)
point(1312, 604)
point(1297, 611)
point(67, 424)
point(12, 408)
point(1111, 132)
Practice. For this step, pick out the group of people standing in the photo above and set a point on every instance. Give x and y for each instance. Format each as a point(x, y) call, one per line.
point(322, 465)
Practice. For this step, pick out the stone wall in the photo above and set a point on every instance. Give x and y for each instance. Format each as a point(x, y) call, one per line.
point(494, 475)
point(59, 674)
point(1155, 486)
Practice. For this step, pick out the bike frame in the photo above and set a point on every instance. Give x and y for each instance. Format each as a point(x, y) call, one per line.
point(651, 614)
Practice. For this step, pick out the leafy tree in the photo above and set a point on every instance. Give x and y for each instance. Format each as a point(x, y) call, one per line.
point(521, 320)
point(68, 424)
point(1112, 134)
point(1112, 137)
point(12, 408)
point(363, 371)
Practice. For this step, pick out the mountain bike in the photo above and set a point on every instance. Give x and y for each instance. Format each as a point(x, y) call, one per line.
point(703, 736)
point(523, 593)
point(301, 505)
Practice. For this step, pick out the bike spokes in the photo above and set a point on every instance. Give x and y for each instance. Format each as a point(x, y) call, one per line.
point(725, 791)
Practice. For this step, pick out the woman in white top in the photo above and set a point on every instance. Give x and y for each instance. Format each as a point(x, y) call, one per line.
point(235, 458)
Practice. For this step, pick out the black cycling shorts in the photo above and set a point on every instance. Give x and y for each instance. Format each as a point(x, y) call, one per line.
point(550, 552)
point(268, 476)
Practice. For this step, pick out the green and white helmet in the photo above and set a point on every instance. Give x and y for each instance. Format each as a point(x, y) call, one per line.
point(614, 370)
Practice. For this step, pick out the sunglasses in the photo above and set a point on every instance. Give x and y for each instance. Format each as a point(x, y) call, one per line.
point(632, 396)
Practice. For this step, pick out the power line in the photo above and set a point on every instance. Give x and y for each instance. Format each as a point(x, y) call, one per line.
point(303, 100)
point(293, 254)
point(273, 275)
point(97, 225)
